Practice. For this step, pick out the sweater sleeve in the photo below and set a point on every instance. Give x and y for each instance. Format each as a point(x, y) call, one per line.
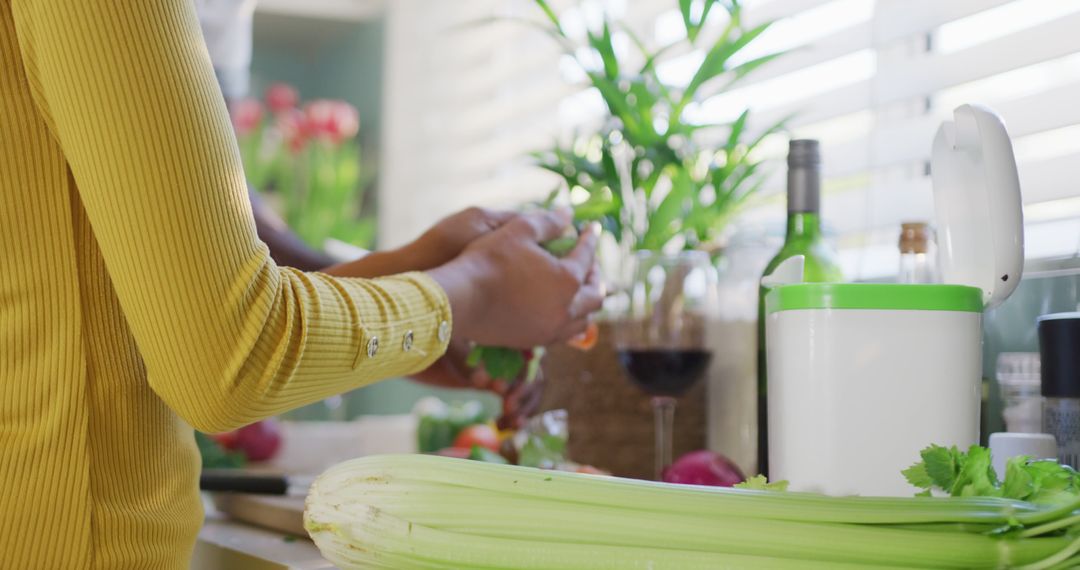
point(227, 336)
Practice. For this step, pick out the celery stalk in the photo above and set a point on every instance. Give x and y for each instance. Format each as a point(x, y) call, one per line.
point(710, 500)
point(409, 545)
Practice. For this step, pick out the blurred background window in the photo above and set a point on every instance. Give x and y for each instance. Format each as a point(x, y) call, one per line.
point(453, 96)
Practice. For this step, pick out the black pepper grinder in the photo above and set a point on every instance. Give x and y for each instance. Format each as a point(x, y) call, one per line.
point(1059, 349)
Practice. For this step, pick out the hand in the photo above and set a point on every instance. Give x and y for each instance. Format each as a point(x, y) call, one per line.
point(506, 290)
point(450, 236)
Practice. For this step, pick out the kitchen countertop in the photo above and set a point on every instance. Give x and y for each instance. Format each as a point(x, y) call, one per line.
point(226, 544)
point(308, 448)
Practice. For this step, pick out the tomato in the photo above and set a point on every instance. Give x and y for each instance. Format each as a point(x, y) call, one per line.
point(587, 339)
point(226, 440)
point(480, 434)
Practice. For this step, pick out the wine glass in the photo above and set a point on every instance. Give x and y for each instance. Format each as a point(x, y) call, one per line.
point(661, 338)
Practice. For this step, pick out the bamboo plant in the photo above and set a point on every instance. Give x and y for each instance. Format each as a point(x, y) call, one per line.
point(648, 174)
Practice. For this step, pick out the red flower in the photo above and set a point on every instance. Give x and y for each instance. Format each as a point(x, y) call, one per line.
point(294, 128)
point(335, 121)
point(281, 97)
point(246, 116)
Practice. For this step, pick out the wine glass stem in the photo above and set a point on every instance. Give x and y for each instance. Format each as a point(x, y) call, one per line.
point(664, 414)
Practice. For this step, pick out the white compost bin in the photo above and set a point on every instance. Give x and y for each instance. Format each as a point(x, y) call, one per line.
point(862, 376)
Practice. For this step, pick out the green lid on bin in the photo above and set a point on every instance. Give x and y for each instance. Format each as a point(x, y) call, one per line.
point(874, 296)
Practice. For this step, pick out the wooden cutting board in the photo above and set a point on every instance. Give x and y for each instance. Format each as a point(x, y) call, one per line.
point(283, 514)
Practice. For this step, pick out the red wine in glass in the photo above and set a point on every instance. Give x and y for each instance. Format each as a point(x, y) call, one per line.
point(662, 336)
point(664, 371)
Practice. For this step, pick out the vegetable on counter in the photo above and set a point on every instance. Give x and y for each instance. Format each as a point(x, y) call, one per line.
point(480, 453)
point(216, 456)
point(479, 435)
point(440, 423)
point(704, 468)
point(259, 441)
point(419, 511)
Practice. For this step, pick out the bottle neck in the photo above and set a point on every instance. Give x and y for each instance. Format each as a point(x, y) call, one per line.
point(803, 225)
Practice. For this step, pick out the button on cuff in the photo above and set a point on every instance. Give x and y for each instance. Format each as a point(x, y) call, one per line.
point(444, 331)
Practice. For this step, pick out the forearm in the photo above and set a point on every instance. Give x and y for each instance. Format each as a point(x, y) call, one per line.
point(285, 247)
point(382, 263)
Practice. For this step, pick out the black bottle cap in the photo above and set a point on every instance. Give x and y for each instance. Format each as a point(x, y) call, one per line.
point(1059, 349)
point(804, 176)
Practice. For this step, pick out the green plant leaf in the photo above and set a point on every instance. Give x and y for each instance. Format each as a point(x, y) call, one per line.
point(602, 43)
point(743, 69)
point(502, 363)
point(704, 16)
point(617, 104)
point(671, 208)
point(693, 27)
point(649, 67)
point(735, 135)
point(551, 16)
point(685, 7)
point(716, 59)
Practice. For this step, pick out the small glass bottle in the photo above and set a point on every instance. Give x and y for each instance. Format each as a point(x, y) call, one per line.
point(1019, 380)
point(1059, 335)
point(918, 263)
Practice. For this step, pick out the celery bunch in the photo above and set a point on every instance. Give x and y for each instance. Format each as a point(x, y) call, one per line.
point(441, 513)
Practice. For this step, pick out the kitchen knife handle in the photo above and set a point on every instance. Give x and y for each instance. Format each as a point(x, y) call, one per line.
point(243, 482)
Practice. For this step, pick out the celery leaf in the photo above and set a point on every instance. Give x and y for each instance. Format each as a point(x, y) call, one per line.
point(918, 477)
point(942, 465)
point(760, 483)
point(971, 474)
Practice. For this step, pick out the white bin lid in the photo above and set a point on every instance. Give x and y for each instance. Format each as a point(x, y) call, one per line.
point(979, 211)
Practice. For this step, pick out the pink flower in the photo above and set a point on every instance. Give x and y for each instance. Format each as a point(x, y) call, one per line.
point(246, 116)
point(294, 128)
point(281, 97)
point(335, 121)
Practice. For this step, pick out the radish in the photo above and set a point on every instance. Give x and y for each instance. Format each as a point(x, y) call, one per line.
point(704, 468)
point(259, 441)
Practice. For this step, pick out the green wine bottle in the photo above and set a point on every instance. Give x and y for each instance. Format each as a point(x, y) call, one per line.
point(804, 238)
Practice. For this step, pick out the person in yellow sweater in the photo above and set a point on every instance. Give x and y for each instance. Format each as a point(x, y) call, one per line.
point(136, 301)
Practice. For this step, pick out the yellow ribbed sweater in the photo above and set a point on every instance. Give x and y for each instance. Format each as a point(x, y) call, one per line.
point(135, 298)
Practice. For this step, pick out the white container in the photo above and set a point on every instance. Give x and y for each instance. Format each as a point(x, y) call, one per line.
point(1005, 446)
point(863, 376)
